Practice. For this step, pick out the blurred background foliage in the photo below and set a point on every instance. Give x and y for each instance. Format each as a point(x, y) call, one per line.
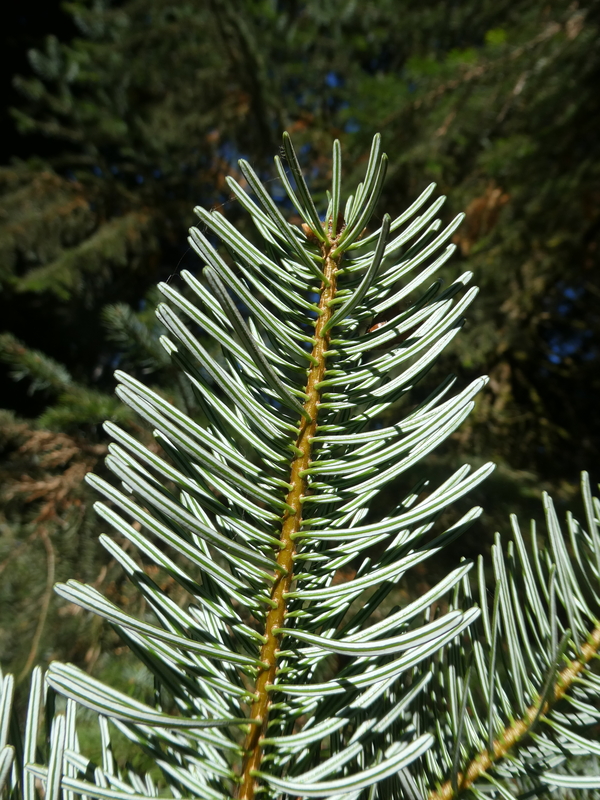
point(124, 115)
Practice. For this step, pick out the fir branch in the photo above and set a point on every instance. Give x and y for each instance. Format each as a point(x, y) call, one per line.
point(281, 679)
point(515, 733)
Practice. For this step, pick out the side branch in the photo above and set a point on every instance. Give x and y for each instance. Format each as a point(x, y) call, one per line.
point(513, 735)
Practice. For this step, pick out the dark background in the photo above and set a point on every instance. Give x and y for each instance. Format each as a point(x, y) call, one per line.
point(25, 25)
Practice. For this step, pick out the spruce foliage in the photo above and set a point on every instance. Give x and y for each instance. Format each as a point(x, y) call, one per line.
point(500, 108)
point(287, 672)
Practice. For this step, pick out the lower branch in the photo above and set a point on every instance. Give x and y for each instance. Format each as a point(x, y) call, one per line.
point(514, 734)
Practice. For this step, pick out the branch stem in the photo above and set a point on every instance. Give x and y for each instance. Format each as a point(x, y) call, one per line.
point(290, 526)
point(514, 734)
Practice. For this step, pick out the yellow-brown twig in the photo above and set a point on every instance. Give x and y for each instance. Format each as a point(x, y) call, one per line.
point(290, 526)
point(518, 730)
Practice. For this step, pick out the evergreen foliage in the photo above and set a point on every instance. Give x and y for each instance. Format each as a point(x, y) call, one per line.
point(495, 102)
point(286, 671)
point(503, 114)
point(146, 113)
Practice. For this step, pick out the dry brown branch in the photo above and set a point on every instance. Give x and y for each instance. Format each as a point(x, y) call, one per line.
point(46, 597)
point(481, 215)
point(57, 465)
